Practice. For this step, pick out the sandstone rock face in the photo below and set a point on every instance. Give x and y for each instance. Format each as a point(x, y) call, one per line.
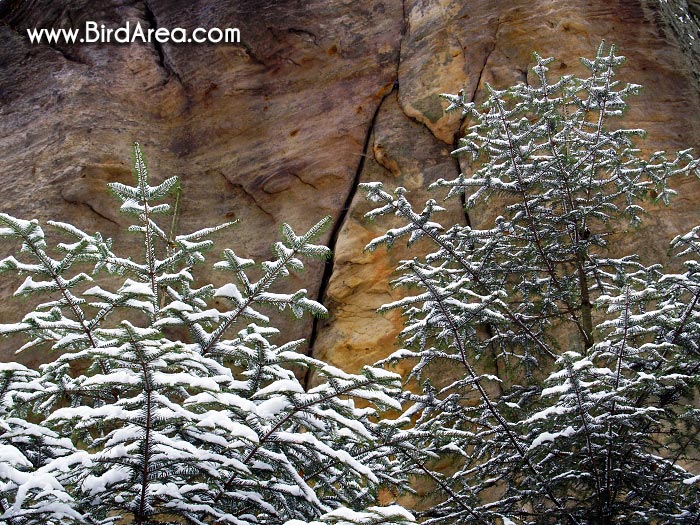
point(283, 126)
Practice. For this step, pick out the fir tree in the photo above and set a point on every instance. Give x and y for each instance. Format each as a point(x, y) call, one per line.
point(31, 457)
point(141, 426)
point(604, 438)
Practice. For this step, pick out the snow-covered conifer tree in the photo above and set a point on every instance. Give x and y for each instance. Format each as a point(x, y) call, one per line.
point(528, 293)
point(30, 457)
point(137, 425)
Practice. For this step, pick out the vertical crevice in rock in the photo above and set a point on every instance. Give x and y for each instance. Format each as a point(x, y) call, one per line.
point(163, 59)
point(338, 226)
point(340, 221)
point(483, 66)
point(463, 199)
point(404, 30)
point(458, 132)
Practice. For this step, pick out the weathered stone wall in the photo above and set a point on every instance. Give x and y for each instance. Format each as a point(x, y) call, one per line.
point(319, 97)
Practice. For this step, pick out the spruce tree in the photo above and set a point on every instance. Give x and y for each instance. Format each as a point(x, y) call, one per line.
point(605, 437)
point(157, 407)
